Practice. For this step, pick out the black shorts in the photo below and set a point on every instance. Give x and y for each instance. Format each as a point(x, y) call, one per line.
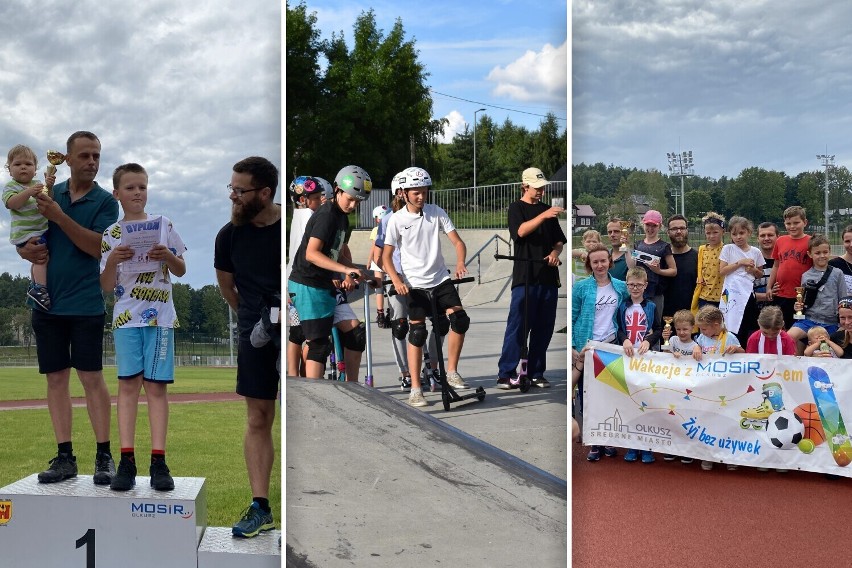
point(445, 296)
point(257, 372)
point(68, 341)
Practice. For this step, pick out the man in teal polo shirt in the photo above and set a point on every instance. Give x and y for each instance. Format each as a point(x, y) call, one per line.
point(71, 333)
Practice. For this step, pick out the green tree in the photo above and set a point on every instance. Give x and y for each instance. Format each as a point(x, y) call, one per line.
point(757, 194)
point(698, 203)
point(214, 312)
point(548, 148)
point(182, 299)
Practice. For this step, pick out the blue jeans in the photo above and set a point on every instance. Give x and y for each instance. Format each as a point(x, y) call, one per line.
point(541, 318)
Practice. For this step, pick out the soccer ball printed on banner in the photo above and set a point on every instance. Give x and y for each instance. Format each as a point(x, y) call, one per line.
point(785, 429)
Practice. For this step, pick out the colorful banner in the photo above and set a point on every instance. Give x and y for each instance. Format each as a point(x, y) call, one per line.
point(754, 410)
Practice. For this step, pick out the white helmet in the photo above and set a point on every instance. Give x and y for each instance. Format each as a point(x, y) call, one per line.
point(327, 190)
point(354, 181)
point(380, 211)
point(395, 185)
point(414, 177)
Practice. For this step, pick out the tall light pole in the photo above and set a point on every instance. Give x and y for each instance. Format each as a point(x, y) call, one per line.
point(474, 157)
point(826, 161)
point(681, 165)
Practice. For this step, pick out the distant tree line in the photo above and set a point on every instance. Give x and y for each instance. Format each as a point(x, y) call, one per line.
point(756, 193)
point(371, 106)
point(202, 312)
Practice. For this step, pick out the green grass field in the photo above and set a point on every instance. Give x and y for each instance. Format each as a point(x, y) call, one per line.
point(205, 439)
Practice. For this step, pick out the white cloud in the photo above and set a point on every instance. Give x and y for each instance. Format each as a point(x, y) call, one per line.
point(534, 77)
point(456, 126)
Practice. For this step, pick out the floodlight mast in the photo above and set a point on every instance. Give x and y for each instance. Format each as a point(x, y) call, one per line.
point(827, 160)
point(681, 165)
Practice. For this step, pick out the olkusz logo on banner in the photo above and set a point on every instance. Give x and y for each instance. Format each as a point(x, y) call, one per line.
point(754, 410)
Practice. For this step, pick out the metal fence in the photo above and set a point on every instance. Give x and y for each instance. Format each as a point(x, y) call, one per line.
point(483, 207)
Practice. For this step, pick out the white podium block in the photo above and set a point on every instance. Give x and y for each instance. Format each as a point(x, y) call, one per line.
point(219, 549)
point(78, 523)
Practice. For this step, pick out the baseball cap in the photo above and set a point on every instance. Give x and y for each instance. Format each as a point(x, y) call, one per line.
point(652, 217)
point(534, 177)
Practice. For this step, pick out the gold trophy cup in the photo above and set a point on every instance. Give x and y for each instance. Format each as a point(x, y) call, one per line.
point(800, 290)
point(54, 158)
point(625, 230)
point(666, 346)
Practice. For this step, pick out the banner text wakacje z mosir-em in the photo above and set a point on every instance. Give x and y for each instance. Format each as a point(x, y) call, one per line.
point(755, 410)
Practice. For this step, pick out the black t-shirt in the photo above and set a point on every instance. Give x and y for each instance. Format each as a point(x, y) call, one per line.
point(661, 249)
point(253, 255)
point(537, 244)
point(328, 224)
point(837, 337)
point(679, 289)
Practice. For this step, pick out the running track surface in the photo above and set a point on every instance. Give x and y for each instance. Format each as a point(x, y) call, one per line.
point(668, 514)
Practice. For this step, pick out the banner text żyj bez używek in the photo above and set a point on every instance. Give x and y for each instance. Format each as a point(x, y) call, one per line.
point(754, 410)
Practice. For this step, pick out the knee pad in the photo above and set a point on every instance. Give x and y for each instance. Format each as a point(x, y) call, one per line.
point(442, 324)
point(355, 339)
point(399, 328)
point(418, 334)
point(459, 322)
point(319, 349)
point(296, 335)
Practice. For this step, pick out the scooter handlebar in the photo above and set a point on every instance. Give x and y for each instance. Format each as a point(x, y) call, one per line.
point(505, 257)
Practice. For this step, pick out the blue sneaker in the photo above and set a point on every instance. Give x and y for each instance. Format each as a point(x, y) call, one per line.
point(631, 455)
point(254, 521)
point(647, 457)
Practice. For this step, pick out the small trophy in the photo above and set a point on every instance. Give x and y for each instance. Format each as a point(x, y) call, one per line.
point(668, 319)
point(800, 290)
point(625, 230)
point(54, 158)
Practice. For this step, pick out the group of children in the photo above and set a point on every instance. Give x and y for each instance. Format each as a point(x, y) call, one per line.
point(406, 248)
point(725, 311)
point(144, 315)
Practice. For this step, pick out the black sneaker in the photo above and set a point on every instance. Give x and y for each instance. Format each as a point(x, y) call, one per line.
point(62, 467)
point(503, 383)
point(104, 469)
point(540, 382)
point(381, 322)
point(160, 478)
point(125, 478)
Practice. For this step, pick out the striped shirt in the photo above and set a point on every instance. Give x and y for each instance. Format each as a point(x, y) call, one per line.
point(27, 222)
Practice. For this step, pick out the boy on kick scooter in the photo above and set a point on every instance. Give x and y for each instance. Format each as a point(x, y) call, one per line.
point(414, 230)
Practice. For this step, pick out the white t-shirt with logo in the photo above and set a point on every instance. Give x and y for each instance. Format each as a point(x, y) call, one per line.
point(143, 298)
point(606, 304)
point(416, 235)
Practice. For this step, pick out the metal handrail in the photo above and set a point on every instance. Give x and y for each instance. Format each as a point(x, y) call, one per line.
point(496, 238)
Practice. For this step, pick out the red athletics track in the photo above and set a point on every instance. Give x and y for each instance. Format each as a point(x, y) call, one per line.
point(667, 514)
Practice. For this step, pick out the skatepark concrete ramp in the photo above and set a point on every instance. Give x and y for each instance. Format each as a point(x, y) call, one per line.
point(373, 482)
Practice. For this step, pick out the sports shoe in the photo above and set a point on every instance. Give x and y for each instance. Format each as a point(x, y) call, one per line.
point(648, 457)
point(503, 383)
point(62, 467)
point(540, 382)
point(160, 478)
point(456, 381)
point(417, 399)
point(686, 460)
point(594, 454)
point(706, 465)
point(669, 457)
point(38, 294)
point(609, 451)
point(104, 469)
point(125, 478)
point(631, 455)
point(254, 521)
point(381, 322)
point(732, 467)
point(405, 383)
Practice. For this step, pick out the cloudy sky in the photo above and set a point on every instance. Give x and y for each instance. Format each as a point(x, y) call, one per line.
point(185, 89)
point(508, 56)
point(741, 84)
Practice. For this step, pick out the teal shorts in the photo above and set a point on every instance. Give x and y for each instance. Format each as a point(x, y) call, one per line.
point(149, 351)
point(315, 307)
